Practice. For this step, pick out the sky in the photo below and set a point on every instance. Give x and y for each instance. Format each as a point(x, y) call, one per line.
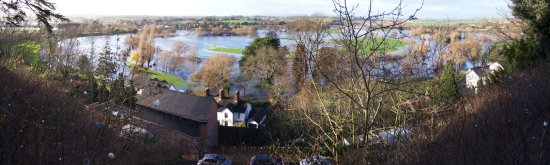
point(430, 9)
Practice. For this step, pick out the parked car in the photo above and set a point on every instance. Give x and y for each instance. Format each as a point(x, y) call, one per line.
point(315, 160)
point(265, 159)
point(214, 159)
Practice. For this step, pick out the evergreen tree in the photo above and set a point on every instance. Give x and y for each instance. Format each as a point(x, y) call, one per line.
point(84, 66)
point(449, 85)
point(106, 68)
point(533, 46)
point(122, 94)
point(258, 43)
point(299, 67)
point(102, 93)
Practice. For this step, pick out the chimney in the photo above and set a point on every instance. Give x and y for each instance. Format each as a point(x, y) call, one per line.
point(222, 94)
point(207, 92)
point(236, 97)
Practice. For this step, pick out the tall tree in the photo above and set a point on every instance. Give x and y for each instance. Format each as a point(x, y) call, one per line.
point(122, 93)
point(449, 83)
point(299, 67)
point(310, 33)
point(366, 80)
point(84, 65)
point(251, 49)
point(107, 66)
point(265, 65)
point(525, 51)
point(216, 71)
point(145, 48)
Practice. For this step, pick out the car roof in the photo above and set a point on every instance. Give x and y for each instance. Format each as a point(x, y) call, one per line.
point(214, 156)
point(262, 156)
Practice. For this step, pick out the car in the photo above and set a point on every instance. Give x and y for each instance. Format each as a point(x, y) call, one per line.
point(315, 160)
point(265, 159)
point(217, 159)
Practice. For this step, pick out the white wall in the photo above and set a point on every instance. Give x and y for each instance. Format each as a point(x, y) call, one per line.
point(232, 118)
point(223, 120)
point(471, 80)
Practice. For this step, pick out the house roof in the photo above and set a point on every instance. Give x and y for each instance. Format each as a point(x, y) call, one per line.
point(480, 70)
point(229, 103)
point(486, 70)
point(179, 104)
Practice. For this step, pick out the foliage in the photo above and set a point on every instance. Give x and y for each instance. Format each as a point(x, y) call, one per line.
point(326, 62)
point(251, 49)
point(145, 46)
point(122, 94)
point(265, 65)
point(299, 67)
point(90, 90)
point(43, 122)
point(494, 126)
point(449, 83)
point(84, 65)
point(519, 53)
point(537, 35)
point(217, 71)
point(16, 12)
point(102, 93)
point(107, 66)
point(28, 52)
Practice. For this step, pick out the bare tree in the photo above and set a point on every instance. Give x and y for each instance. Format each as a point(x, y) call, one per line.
point(310, 34)
point(216, 71)
point(364, 80)
point(145, 47)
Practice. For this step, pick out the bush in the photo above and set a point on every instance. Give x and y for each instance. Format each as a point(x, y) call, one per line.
point(519, 54)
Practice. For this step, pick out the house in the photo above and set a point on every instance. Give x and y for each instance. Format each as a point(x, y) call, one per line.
point(475, 74)
point(232, 111)
point(194, 116)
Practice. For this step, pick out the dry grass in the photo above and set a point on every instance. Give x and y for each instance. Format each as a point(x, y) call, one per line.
point(502, 125)
point(43, 122)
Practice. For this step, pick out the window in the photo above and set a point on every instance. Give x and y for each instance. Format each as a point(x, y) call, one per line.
point(225, 115)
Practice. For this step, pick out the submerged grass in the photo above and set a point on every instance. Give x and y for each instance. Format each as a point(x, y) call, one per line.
point(216, 48)
point(165, 77)
point(29, 51)
point(388, 45)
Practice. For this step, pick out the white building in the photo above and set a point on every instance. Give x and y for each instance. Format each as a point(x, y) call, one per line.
point(474, 75)
point(233, 111)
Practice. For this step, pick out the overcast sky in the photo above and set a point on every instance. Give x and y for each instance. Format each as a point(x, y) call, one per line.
point(431, 8)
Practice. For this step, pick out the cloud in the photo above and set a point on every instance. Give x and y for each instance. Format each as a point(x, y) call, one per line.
point(431, 8)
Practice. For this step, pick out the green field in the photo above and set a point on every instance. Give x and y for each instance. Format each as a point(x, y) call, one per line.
point(442, 22)
point(237, 21)
point(162, 76)
point(29, 51)
point(216, 48)
point(389, 44)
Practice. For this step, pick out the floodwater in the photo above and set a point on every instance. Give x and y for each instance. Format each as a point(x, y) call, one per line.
point(203, 43)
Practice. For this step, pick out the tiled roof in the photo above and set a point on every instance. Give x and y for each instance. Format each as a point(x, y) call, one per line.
point(179, 104)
